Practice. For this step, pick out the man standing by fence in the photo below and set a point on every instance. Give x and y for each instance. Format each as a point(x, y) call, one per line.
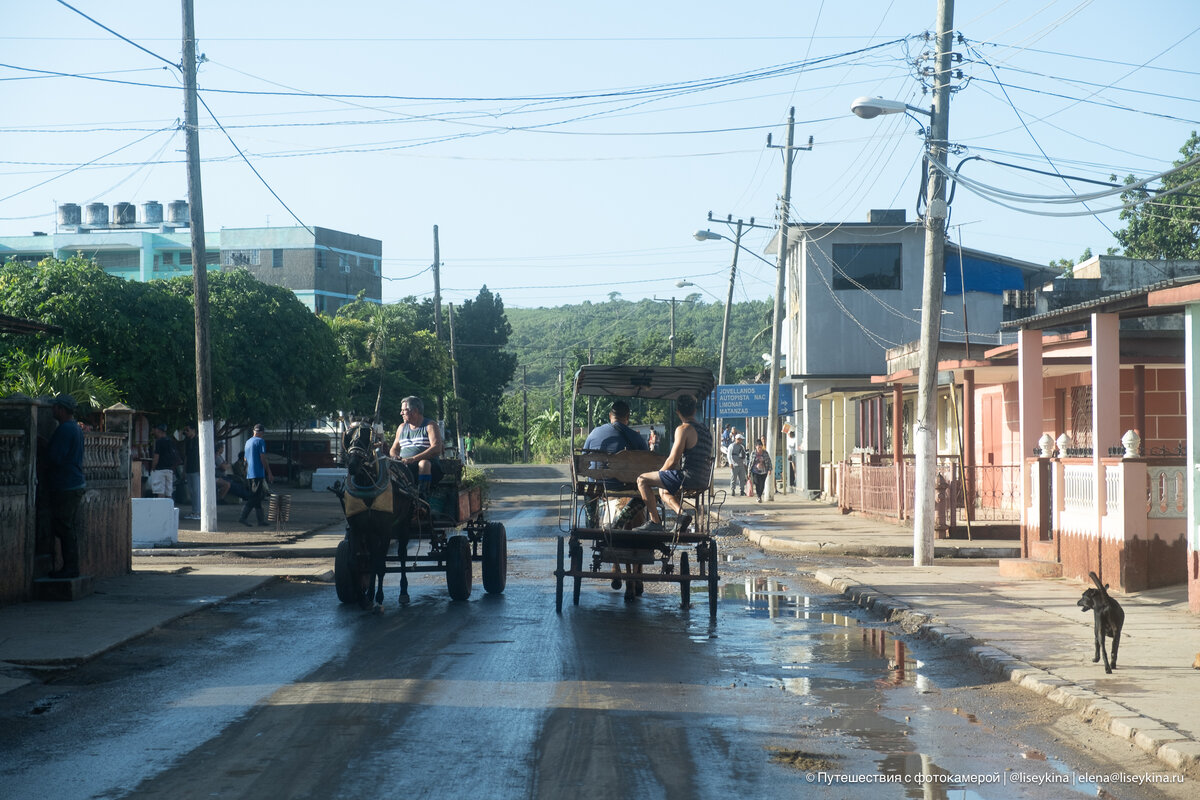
point(67, 486)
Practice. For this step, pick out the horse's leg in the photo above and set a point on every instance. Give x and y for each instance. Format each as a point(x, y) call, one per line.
point(402, 551)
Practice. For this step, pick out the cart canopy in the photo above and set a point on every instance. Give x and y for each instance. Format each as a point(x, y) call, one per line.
point(652, 383)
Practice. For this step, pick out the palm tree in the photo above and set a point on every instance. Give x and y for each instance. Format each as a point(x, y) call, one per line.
point(61, 369)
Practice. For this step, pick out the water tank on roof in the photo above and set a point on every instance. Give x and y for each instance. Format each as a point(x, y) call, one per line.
point(152, 212)
point(97, 214)
point(177, 212)
point(124, 214)
point(69, 214)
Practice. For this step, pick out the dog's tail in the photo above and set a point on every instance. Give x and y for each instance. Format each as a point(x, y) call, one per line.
point(1096, 580)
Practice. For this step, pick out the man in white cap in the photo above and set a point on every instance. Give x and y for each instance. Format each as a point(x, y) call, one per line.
point(738, 462)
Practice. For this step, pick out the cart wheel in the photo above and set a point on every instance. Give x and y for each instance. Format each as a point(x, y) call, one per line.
point(345, 576)
point(458, 567)
point(576, 568)
point(712, 578)
point(558, 578)
point(685, 585)
point(495, 558)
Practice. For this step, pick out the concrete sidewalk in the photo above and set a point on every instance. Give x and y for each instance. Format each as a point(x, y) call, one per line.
point(1029, 631)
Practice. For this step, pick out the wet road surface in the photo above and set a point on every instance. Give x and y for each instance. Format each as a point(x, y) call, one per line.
point(289, 694)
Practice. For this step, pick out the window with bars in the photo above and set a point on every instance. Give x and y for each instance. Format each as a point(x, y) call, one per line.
point(1081, 415)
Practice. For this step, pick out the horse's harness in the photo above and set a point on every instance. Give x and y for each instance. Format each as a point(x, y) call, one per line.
point(365, 492)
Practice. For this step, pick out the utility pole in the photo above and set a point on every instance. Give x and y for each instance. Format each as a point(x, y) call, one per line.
point(204, 411)
point(925, 435)
point(671, 338)
point(524, 414)
point(561, 411)
point(454, 383)
point(780, 287)
point(437, 307)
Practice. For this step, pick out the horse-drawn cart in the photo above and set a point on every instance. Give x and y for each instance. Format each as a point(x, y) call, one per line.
point(443, 532)
point(604, 500)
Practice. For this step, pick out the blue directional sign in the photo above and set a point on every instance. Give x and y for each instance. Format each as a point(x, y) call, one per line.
point(750, 400)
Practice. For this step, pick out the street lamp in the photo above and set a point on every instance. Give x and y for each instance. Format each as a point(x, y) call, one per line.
point(925, 435)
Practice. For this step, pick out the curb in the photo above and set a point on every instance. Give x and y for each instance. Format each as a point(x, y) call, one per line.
point(776, 544)
point(1151, 736)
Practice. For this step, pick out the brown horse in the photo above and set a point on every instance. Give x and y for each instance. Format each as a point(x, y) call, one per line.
point(378, 503)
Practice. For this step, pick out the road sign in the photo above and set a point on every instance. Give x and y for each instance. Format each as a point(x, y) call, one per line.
point(750, 400)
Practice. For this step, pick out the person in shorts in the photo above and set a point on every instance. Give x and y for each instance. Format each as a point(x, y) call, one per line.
point(688, 466)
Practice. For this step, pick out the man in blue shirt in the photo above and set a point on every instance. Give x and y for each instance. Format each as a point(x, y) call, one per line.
point(258, 474)
point(64, 476)
point(612, 437)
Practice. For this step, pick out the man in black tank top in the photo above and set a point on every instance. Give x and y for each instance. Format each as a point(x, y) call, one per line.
point(688, 466)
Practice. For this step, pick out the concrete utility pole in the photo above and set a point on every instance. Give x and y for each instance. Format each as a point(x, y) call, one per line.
point(780, 287)
point(524, 414)
point(925, 435)
point(454, 384)
point(737, 245)
point(204, 412)
point(437, 307)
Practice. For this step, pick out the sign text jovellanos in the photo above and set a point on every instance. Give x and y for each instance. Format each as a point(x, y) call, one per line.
point(750, 400)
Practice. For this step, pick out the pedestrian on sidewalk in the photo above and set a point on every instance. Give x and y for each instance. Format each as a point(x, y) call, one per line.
point(67, 485)
point(163, 463)
point(191, 468)
point(760, 468)
point(258, 473)
point(737, 462)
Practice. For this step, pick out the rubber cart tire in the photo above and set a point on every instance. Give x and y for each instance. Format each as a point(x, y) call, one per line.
point(558, 578)
point(685, 585)
point(495, 558)
point(458, 567)
point(346, 578)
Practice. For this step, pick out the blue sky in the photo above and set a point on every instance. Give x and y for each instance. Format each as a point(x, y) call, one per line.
point(567, 150)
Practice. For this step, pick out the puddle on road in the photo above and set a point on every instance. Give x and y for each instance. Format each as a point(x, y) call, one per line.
point(866, 692)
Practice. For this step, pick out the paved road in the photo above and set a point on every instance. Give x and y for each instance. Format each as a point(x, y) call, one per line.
point(286, 693)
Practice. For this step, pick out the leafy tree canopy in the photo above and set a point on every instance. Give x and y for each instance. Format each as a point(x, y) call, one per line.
point(388, 357)
point(1165, 226)
point(137, 336)
point(485, 368)
point(272, 359)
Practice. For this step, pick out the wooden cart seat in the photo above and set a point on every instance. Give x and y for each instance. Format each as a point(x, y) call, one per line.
point(623, 467)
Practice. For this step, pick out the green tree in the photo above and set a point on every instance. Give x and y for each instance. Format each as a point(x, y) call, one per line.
point(1165, 226)
point(58, 369)
point(138, 336)
point(481, 331)
point(388, 357)
point(272, 360)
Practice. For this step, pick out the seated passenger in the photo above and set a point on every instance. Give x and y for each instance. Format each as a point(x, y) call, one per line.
point(688, 466)
point(418, 444)
point(612, 437)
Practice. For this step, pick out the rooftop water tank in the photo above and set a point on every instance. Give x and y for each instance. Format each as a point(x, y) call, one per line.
point(177, 212)
point(152, 212)
point(97, 214)
point(124, 214)
point(69, 214)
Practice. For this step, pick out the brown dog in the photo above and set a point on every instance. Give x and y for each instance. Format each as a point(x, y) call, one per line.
point(1108, 619)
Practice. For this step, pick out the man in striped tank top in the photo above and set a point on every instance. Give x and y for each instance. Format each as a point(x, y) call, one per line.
point(688, 466)
point(418, 444)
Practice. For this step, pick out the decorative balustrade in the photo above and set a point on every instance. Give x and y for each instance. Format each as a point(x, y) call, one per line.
point(1113, 489)
point(102, 456)
point(1166, 496)
point(13, 457)
point(1079, 488)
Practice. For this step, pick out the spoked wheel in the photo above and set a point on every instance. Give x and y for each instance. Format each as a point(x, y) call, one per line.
point(576, 568)
point(685, 585)
point(458, 567)
point(347, 578)
point(712, 578)
point(495, 558)
point(558, 578)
